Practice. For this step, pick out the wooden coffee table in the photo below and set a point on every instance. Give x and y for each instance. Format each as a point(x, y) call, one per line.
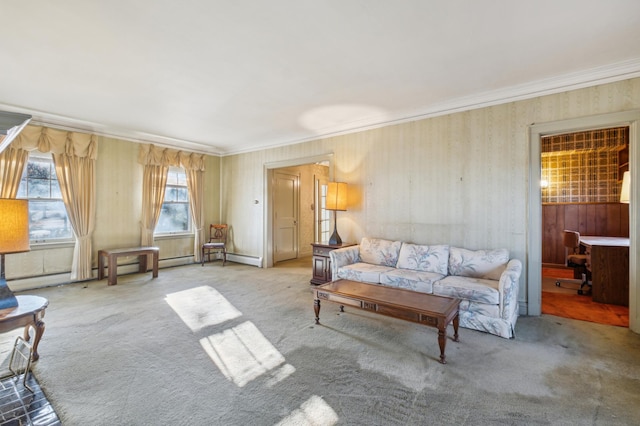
point(422, 308)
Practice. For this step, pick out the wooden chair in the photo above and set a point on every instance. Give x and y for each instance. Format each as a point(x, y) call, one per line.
point(217, 243)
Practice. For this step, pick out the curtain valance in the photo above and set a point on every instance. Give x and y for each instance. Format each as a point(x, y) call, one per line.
point(46, 139)
point(155, 156)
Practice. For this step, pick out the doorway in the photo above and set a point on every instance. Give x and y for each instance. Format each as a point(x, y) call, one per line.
point(629, 119)
point(291, 208)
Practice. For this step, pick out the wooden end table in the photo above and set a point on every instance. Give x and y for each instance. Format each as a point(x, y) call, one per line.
point(421, 308)
point(112, 264)
point(28, 313)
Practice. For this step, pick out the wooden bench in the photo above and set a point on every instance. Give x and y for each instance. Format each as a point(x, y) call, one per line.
point(113, 254)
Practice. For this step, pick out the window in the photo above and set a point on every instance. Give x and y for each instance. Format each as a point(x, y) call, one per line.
point(48, 220)
point(323, 215)
point(175, 216)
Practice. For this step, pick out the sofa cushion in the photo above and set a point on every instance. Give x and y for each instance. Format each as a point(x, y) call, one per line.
point(486, 264)
point(424, 258)
point(474, 289)
point(411, 280)
point(377, 251)
point(363, 272)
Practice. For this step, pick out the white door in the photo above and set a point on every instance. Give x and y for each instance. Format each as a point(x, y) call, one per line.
point(285, 216)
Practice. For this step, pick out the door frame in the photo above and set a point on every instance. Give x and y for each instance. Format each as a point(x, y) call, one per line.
point(267, 196)
point(534, 237)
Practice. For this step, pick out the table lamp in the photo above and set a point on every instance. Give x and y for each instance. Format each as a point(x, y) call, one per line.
point(336, 201)
point(624, 192)
point(14, 238)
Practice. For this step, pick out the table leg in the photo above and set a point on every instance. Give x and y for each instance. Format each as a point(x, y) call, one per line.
point(456, 322)
point(142, 263)
point(112, 273)
point(155, 264)
point(442, 340)
point(100, 265)
point(39, 328)
point(316, 309)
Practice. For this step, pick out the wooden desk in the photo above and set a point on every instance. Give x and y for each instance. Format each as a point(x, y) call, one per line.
point(608, 262)
point(113, 255)
point(28, 313)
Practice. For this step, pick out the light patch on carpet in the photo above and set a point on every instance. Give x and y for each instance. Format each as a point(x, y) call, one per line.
point(201, 307)
point(313, 412)
point(280, 374)
point(242, 353)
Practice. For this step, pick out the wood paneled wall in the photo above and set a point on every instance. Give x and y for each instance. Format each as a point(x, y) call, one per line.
point(602, 219)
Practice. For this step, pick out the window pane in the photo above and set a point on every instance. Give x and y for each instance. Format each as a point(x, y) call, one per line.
point(174, 217)
point(38, 188)
point(55, 189)
point(38, 168)
point(172, 178)
point(182, 194)
point(182, 179)
point(48, 219)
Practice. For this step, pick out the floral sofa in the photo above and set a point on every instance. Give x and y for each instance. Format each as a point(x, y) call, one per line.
point(486, 281)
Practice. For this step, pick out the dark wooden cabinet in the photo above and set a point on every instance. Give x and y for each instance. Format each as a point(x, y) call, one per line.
point(608, 262)
point(322, 262)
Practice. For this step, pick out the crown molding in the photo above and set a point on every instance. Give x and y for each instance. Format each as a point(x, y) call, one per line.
point(571, 81)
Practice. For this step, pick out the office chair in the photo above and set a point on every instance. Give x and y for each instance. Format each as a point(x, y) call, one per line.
point(217, 243)
point(575, 260)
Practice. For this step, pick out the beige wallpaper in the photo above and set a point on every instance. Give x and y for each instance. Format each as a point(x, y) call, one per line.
point(118, 210)
point(460, 179)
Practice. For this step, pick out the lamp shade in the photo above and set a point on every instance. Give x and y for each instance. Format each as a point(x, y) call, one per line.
point(14, 225)
point(624, 192)
point(337, 196)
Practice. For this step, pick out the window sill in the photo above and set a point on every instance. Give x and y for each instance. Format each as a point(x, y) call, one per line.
point(44, 245)
point(173, 236)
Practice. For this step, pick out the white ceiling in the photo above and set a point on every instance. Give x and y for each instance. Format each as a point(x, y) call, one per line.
point(224, 77)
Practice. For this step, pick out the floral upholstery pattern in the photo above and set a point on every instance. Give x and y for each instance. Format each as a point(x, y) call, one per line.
point(412, 280)
point(380, 252)
point(478, 264)
point(485, 281)
point(424, 258)
point(474, 289)
point(363, 272)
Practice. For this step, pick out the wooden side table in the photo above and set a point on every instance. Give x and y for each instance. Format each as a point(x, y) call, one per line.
point(28, 313)
point(322, 261)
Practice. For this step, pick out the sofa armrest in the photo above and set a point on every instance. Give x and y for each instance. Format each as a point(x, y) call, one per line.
point(343, 257)
point(508, 288)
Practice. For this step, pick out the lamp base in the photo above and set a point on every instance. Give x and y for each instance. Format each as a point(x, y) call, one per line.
point(7, 299)
point(335, 238)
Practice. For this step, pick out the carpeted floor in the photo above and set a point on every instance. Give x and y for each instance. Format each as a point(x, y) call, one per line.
point(238, 346)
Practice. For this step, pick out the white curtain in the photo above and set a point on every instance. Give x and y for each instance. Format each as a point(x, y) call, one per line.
point(154, 182)
point(74, 156)
point(156, 163)
point(12, 162)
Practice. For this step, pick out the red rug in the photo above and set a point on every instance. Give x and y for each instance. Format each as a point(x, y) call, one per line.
point(583, 308)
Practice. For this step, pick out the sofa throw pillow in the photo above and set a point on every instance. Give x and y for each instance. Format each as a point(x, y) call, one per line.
point(379, 252)
point(484, 264)
point(424, 258)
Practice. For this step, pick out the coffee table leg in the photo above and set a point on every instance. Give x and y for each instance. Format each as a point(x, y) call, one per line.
point(456, 322)
point(442, 341)
point(316, 309)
